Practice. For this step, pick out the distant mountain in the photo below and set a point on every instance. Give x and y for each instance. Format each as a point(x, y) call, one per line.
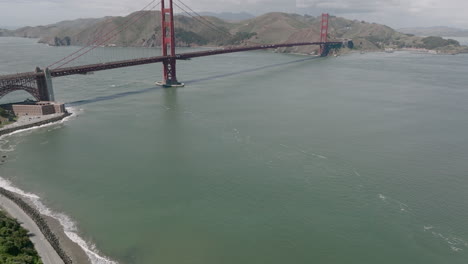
point(436, 31)
point(9, 27)
point(65, 28)
point(5, 32)
point(232, 17)
point(265, 29)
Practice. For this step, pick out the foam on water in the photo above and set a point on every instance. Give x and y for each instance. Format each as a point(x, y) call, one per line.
point(356, 173)
point(8, 186)
point(403, 207)
point(382, 197)
point(74, 112)
point(455, 243)
point(65, 221)
point(5, 146)
point(304, 151)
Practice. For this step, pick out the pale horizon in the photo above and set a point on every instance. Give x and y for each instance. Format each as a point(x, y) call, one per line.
point(413, 13)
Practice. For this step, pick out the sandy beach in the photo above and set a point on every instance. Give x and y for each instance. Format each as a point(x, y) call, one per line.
point(43, 247)
point(15, 206)
point(46, 250)
point(73, 250)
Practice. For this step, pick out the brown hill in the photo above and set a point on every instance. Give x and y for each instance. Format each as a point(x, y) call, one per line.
point(268, 28)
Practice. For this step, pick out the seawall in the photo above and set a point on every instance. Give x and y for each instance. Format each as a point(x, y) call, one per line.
point(40, 222)
point(6, 131)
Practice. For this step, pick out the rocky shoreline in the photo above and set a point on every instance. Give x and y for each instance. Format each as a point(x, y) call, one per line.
point(15, 127)
point(40, 222)
point(52, 230)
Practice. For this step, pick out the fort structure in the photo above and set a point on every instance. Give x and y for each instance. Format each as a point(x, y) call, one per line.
point(31, 108)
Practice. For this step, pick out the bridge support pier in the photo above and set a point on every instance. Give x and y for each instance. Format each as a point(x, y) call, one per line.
point(44, 85)
point(170, 74)
point(324, 48)
point(168, 46)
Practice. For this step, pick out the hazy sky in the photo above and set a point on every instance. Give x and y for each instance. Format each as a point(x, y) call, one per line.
point(395, 13)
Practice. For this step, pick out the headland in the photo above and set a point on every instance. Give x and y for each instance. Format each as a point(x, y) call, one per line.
point(30, 114)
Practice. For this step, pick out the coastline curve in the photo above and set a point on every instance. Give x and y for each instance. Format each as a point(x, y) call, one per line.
point(40, 222)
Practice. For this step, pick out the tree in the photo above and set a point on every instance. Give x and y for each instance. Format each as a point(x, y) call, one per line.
point(438, 42)
point(3, 113)
point(15, 246)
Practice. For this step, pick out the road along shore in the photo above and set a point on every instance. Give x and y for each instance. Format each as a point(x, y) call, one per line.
point(45, 241)
point(48, 235)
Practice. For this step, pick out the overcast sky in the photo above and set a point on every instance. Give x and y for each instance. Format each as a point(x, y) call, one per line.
point(395, 13)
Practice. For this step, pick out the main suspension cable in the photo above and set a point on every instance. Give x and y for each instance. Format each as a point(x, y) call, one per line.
point(101, 37)
point(201, 21)
point(107, 39)
point(202, 17)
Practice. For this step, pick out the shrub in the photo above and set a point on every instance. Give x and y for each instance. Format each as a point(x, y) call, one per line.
point(15, 246)
point(438, 42)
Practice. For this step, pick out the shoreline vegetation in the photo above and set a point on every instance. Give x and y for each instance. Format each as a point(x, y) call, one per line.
point(44, 120)
point(40, 222)
point(275, 27)
point(66, 249)
point(15, 245)
point(6, 117)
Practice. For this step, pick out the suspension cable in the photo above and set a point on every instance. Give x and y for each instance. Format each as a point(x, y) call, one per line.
point(111, 37)
point(200, 16)
point(202, 22)
point(101, 37)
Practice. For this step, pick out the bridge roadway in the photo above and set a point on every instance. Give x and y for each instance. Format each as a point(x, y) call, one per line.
point(128, 63)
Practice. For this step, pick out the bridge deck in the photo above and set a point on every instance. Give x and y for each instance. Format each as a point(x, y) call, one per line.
point(128, 63)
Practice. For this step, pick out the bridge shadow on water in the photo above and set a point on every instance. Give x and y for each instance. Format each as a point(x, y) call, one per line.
point(248, 70)
point(125, 94)
point(110, 97)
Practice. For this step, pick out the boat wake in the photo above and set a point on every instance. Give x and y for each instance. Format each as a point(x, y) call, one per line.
point(455, 243)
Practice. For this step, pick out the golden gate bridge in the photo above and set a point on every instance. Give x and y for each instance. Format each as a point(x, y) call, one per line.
point(39, 82)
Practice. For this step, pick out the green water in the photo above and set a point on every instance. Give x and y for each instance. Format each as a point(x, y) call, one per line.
point(355, 159)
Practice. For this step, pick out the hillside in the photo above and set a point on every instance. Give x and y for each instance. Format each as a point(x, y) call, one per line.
point(436, 31)
point(229, 16)
point(269, 28)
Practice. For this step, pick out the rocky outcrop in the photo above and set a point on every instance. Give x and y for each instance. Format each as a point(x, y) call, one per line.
point(66, 41)
point(5, 131)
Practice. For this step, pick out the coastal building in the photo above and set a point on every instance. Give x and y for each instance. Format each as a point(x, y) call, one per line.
point(38, 108)
point(3, 120)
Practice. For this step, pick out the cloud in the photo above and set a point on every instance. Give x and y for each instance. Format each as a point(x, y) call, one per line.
point(395, 13)
point(365, 5)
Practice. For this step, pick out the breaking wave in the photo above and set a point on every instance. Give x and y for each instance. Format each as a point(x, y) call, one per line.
point(69, 226)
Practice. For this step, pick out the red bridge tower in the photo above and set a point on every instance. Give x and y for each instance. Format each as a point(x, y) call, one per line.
point(168, 46)
point(324, 35)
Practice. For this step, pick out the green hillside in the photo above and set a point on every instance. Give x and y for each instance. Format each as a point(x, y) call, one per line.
point(269, 28)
